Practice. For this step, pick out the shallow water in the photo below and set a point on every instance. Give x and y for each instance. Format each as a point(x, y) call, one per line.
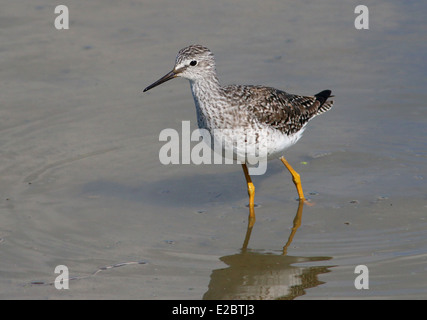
point(82, 185)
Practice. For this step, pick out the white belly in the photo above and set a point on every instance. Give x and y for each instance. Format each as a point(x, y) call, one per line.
point(252, 146)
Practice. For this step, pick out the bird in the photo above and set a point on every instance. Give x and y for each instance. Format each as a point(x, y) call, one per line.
point(246, 115)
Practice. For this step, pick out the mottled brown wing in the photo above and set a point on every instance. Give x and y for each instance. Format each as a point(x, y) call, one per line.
point(286, 112)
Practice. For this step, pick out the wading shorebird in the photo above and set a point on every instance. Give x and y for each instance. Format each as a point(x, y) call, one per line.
point(245, 115)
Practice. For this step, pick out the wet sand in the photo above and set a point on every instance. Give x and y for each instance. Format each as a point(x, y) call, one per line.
point(81, 183)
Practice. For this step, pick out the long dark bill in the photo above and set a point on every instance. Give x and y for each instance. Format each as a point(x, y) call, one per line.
point(165, 78)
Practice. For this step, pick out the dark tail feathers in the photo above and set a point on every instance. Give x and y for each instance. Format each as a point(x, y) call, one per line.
point(323, 96)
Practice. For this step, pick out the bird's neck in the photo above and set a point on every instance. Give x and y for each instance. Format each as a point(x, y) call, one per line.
point(207, 95)
point(205, 88)
point(206, 92)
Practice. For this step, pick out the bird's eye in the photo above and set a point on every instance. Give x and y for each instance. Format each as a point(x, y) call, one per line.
point(193, 63)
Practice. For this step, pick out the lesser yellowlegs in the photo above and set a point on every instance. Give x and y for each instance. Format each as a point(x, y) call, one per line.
point(245, 115)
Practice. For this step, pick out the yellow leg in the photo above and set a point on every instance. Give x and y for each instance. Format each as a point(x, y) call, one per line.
point(295, 178)
point(251, 193)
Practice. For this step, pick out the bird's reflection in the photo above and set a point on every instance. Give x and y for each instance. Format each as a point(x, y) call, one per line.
point(261, 276)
